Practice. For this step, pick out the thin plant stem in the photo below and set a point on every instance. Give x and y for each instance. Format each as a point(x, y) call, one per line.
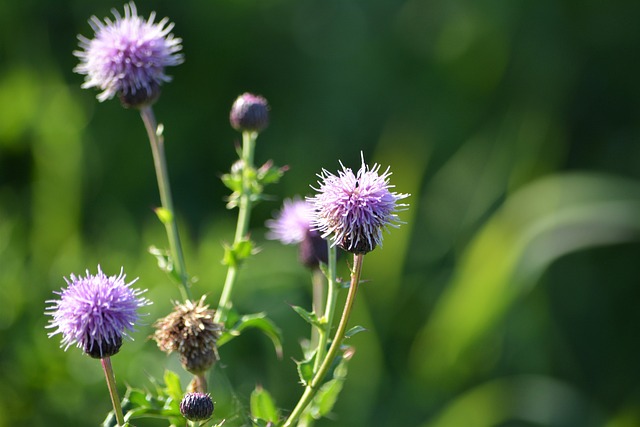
point(113, 392)
point(317, 283)
point(156, 140)
point(330, 307)
point(317, 379)
point(244, 213)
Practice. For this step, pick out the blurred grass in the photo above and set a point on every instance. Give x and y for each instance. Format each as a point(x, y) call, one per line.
point(508, 298)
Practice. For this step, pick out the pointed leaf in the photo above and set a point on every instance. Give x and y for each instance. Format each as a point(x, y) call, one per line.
point(262, 405)
point(173, 387)
point(305, 370)
point(309, 317)
point(164, 215)
point(356, 329)
point(259, 321)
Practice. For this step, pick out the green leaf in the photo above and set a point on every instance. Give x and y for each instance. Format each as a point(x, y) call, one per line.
point(232, 181)
point(327, 397)
point(173, 387)
point(534, 227)
point(259, 321)
point(356, 329)
point(305, 369)
point(309, 317)
point(164, 215)
point(234, 255)
point(262, 405)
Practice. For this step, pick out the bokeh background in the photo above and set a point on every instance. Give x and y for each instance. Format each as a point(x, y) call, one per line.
point(510, 296)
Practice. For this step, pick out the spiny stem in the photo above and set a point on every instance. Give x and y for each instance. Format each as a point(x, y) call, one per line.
point(162, 174)
point(244, 213)
point(113, 392)
point(313, 386)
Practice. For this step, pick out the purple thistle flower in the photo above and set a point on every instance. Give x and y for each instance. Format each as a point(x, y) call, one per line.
point(353, 209)
point(127, 57)
point(95, 312)
point(292, 223)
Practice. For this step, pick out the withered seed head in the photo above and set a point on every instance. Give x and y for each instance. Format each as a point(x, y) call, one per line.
point(190, 330)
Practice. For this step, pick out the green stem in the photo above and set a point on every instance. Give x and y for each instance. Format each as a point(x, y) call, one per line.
point(313, 386)
point(111, 384)
point(244, 213)
point(330, 307)
point(317, 283)
point(157, 148)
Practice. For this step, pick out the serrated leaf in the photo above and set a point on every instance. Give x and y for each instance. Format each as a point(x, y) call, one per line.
point(164, 215)
point(356, 329)
point(259, 321)
point(305, 369)
point(262, 405)
point(173, 387)
point(309, 317)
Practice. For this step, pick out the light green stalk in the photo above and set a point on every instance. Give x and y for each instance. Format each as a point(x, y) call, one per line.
point(169, 220)
point(314, 384)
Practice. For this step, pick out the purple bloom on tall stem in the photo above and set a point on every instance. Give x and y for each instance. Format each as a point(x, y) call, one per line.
point(352, 209)
point(95, 312)
point(293, 224)
point(128, 56)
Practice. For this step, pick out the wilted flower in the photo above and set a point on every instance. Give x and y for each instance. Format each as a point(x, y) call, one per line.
point(293, 225)
point(196, 406)
point(128, 56)
point(95, 312)
point(249, 113)
point(353, 209)
point(190, 330)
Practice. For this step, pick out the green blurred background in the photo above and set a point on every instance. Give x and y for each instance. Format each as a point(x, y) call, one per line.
point(510, 297)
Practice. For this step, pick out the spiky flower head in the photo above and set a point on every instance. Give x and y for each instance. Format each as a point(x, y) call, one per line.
point(353, 209)
point(249, 113)
point(191, 331)
point(293, 225)
point(196, 406)
point(95, 312)
point(128, 56)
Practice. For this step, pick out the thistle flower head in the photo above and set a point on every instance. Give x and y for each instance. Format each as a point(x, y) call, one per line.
point(128, 56)
point(293, 225)
point(352, 209)
point(196, 406)
point(95, 312)
point(249, 113)
point(190, 330)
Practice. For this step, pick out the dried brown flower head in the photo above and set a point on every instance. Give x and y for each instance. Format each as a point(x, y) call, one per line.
point(190, 330)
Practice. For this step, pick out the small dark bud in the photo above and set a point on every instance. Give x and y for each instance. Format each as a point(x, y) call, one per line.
point(249, 113)
point(141, 98)
point(100, 350)
point(196, 406)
